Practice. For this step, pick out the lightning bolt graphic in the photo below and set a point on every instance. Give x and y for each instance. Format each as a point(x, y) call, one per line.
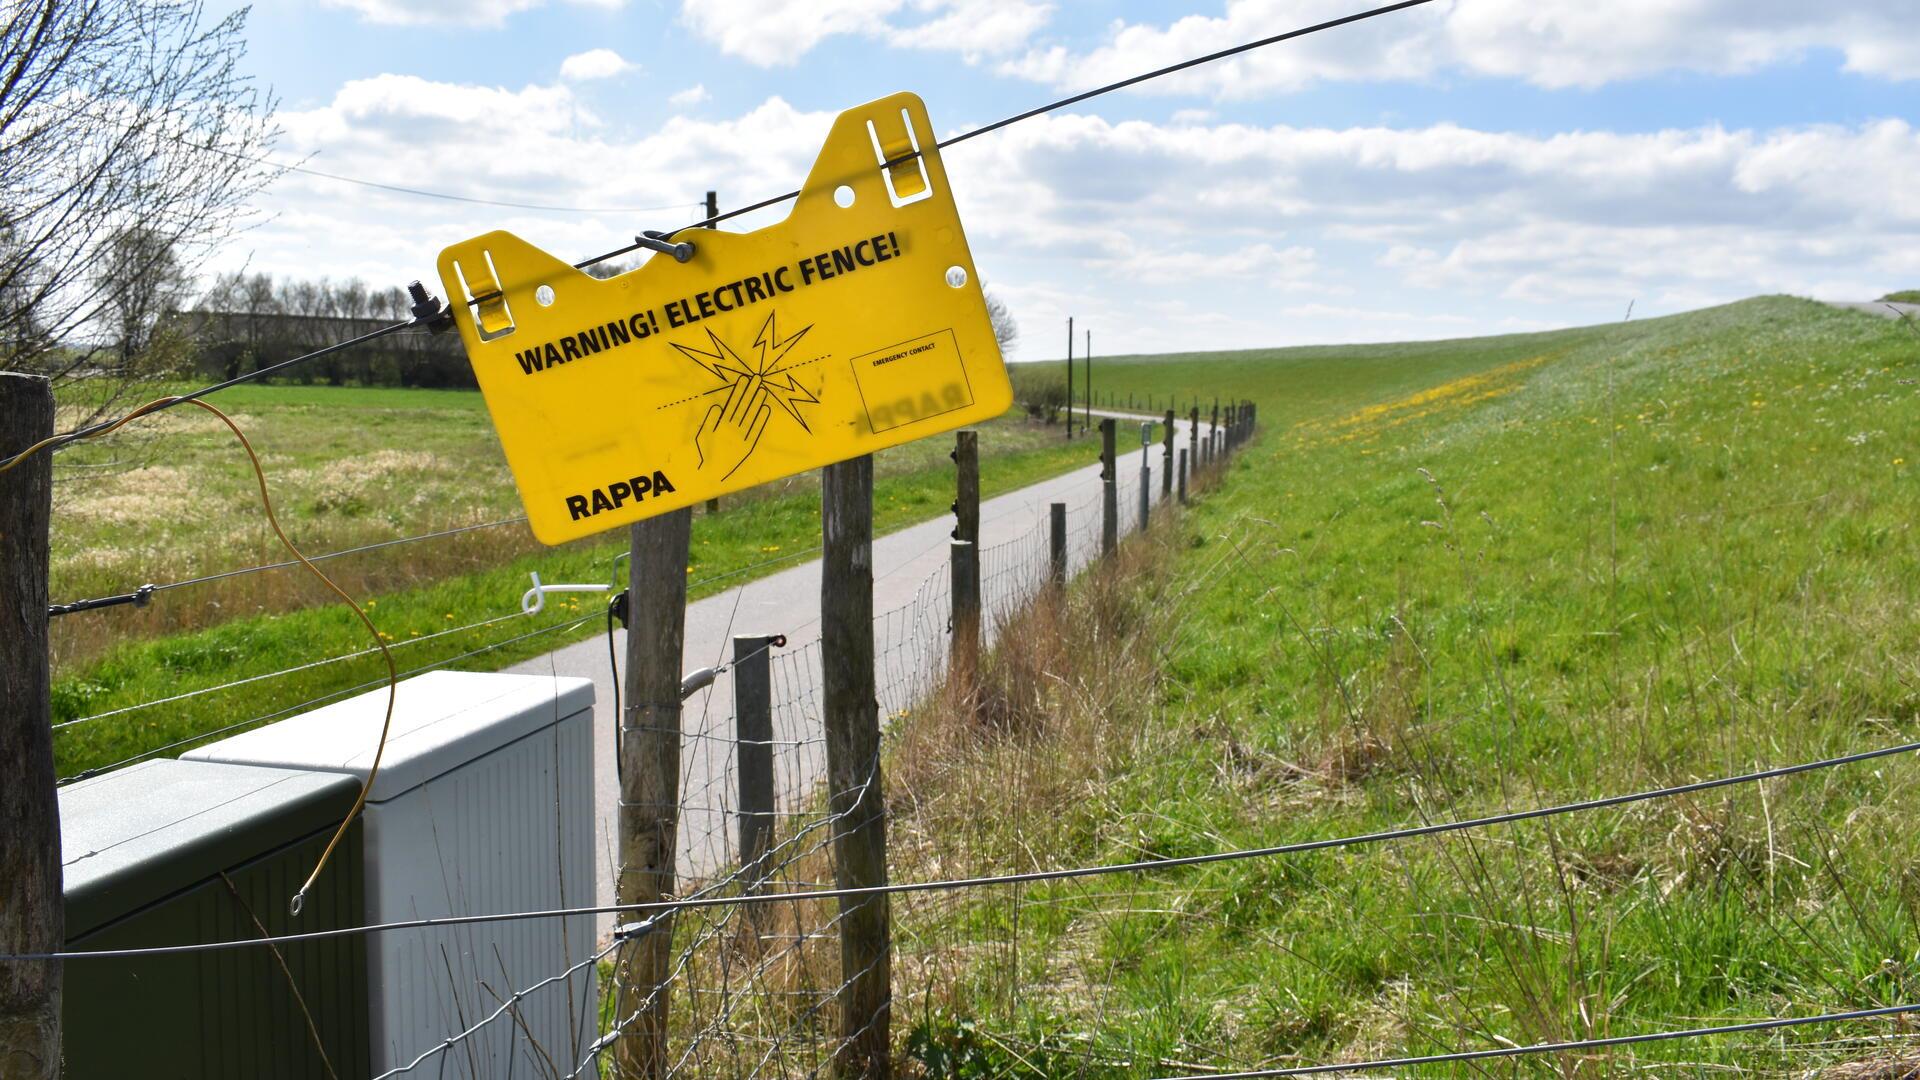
point(746, 379)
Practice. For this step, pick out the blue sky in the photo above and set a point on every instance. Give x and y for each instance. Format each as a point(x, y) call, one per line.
point(1472, 166)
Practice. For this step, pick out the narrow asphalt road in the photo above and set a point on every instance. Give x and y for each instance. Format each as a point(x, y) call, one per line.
point(910, 616)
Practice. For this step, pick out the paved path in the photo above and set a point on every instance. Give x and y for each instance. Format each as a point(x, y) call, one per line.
point(909, 598)
point(1883, 308)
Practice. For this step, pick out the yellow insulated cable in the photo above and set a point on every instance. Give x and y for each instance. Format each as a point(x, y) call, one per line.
point(266, 502)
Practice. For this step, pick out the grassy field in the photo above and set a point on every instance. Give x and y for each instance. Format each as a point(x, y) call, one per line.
point(1300, 383)
point(1449, 580)
point(352, 466)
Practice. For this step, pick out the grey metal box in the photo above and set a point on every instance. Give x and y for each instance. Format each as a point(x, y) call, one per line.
point(167, 852)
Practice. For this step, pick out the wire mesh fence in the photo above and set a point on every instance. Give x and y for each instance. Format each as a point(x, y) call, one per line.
point(752, 989)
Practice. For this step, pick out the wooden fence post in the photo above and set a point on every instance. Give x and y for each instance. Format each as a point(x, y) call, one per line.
point(1183, 476)
point(1166, 475)
point(649, 815)
point(753, 730)
point(855, 793)
point(1146, 473)
point(32, 909)
point(1193, 436)
point(1213, 435)
point(964, 559)
point(966, 502)
point(1057, 544)
point(1109, 491)
point(963, 656)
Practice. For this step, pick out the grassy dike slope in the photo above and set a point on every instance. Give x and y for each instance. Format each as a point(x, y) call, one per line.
point(1614, 559)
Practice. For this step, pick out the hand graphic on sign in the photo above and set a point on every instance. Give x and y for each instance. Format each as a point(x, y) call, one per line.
point(730, 431)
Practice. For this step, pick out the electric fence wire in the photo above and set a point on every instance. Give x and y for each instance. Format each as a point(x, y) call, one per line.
point(1033, 876)
point(1771, 1024)
point(161, 404)
point(264, 676)
point(1072, 99)
point(333, 695)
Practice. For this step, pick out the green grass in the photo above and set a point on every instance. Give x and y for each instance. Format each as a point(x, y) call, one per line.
point(1465, 577)
point(1904, 296)
point(1305, 382)
point(258, 625)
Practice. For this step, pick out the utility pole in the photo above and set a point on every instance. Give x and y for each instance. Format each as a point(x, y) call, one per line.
point(1069, 378)
point(32, 909)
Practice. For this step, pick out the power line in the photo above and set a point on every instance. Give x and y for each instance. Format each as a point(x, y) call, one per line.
point(1031, 876)
point(1073, 99)
point(424, 193)
point(1559, 1047)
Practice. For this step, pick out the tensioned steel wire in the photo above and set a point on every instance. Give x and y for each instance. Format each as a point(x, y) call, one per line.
point(1062, 874)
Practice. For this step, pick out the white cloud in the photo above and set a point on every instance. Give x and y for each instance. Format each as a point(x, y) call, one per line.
point(973, 27)
point(1551, 43)
point(450, 12)
point(1281, 268)
point(775, 33)
point(1162, 236)
point(692, 95)
point(594, 64)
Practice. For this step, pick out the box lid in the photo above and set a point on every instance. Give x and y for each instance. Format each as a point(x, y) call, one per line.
point(441, 720)
point(136, 835)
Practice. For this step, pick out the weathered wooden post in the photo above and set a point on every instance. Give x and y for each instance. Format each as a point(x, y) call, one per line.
point(753, 732)
point(1213, 435)
point(1109, 491)
point(1193, 436)
point(32, 911)
point(963, 656)
point(1146, 473)
point(966, 501)
point(649, 813)
point(855, 794)
point(1183, 476)
point(1166, 463)
point(1057, 544)
point(964, 559)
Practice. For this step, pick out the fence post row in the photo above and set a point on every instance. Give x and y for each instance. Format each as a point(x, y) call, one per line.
point(964, 558)
point(855, 792)
point(1166, 472)
point(1057, 544)
point(649, 753)
point(753, 728)
point(1109, 491)
point(32, 911)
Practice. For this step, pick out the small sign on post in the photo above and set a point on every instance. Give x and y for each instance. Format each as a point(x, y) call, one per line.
point(854, 325)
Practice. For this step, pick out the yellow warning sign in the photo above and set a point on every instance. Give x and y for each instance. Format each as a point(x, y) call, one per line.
point(854, 325)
